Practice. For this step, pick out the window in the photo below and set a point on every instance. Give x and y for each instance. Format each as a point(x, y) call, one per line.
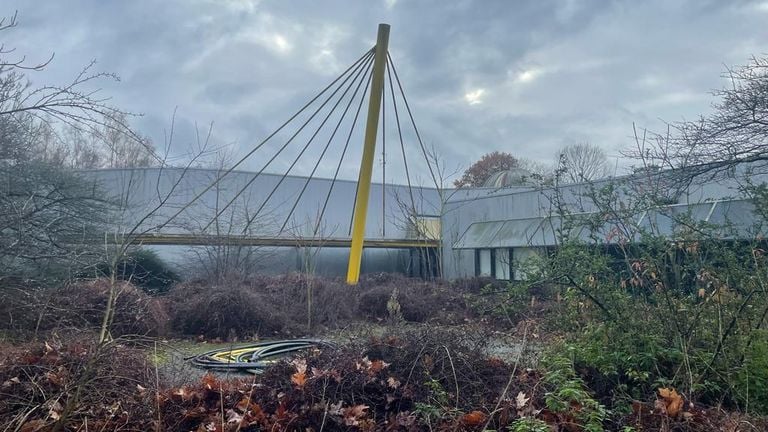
point(503, 264)
point(522, 261)
point(496, 263)
point(484, 262)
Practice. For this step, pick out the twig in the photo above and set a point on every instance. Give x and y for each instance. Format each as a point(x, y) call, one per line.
point(594, 300)
point(413, 366)
point(159, 427)
point(455, 379)
point(511, 378)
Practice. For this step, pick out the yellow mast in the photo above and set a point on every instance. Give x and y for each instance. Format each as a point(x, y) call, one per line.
point(366, 164)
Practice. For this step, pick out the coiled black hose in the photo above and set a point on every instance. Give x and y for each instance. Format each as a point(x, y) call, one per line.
point(254, 357)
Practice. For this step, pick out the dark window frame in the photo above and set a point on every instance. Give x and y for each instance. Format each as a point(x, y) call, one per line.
point(510, 252)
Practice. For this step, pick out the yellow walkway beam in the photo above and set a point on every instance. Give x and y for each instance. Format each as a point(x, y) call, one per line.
point(369, 149)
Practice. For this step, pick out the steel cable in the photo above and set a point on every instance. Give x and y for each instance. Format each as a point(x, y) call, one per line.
point(301, 128)
point(413, 122)
point(366, 77)
point(263, 142)
point(358, 74)
point(341, 160)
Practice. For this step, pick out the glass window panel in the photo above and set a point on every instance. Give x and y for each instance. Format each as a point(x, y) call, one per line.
point(502, 264)
point(485, 262)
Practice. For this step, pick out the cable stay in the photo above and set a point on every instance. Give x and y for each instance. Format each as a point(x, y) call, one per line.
point(261, 144)
point(283, 147)
point(373, 77)
point(366, 78)
point(303, 150)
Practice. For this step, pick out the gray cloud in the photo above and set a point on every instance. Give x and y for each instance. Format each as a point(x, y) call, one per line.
point(525, 77)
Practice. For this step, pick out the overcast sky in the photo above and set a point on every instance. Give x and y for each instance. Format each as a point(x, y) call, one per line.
point(526, 77)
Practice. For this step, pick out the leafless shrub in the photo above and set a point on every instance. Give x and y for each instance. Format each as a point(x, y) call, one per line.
point(80, 305)
point(65, 385)
point(224, 311)
point(418, 302)
point(267, 305)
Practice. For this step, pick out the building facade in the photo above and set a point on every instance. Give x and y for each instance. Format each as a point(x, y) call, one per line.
point(472, 232)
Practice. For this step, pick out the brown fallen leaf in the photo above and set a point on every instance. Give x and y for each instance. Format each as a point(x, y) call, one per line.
point(354, 414)
point(474, 418)
point(393, 382)
point(673, 402)
point(378, 366)
point(299, 378)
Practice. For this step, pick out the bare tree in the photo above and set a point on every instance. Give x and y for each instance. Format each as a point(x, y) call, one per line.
point(102, 146)
point(735, 132)
point(224, 258)
point(309, 236)
point(47, 212)
point(125, 233)
point(419, 217)
point(121, 150)
point(76, 103)
point(582, 162)
point(47, 218)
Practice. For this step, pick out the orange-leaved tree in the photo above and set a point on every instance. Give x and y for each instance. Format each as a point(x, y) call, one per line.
point(489, 164)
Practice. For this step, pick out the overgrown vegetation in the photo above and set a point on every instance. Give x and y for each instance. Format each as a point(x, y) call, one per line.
point(687, 313)
point(34, 310)
point(657, 319)
point(277, 305)
point(408, 380)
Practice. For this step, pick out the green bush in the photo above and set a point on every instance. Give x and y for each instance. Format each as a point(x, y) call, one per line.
point(529, 424)
point(569, 396)
point(752, 378)
point(664, 314)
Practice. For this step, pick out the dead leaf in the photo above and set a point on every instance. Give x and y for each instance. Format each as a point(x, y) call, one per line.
point(299, 378)
point(364, 364)
point(474, 418)
point(210, 382)
point(244, 404)
point(234, 417)
point(183, 393)
point(354, 414)
point(521, 400)
point(54, 378)
point(280, 413)
point(12, 381)
point(672, 401)
point(377, 366)
point(393, 382)
point(300, 365)
point(54, 410)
